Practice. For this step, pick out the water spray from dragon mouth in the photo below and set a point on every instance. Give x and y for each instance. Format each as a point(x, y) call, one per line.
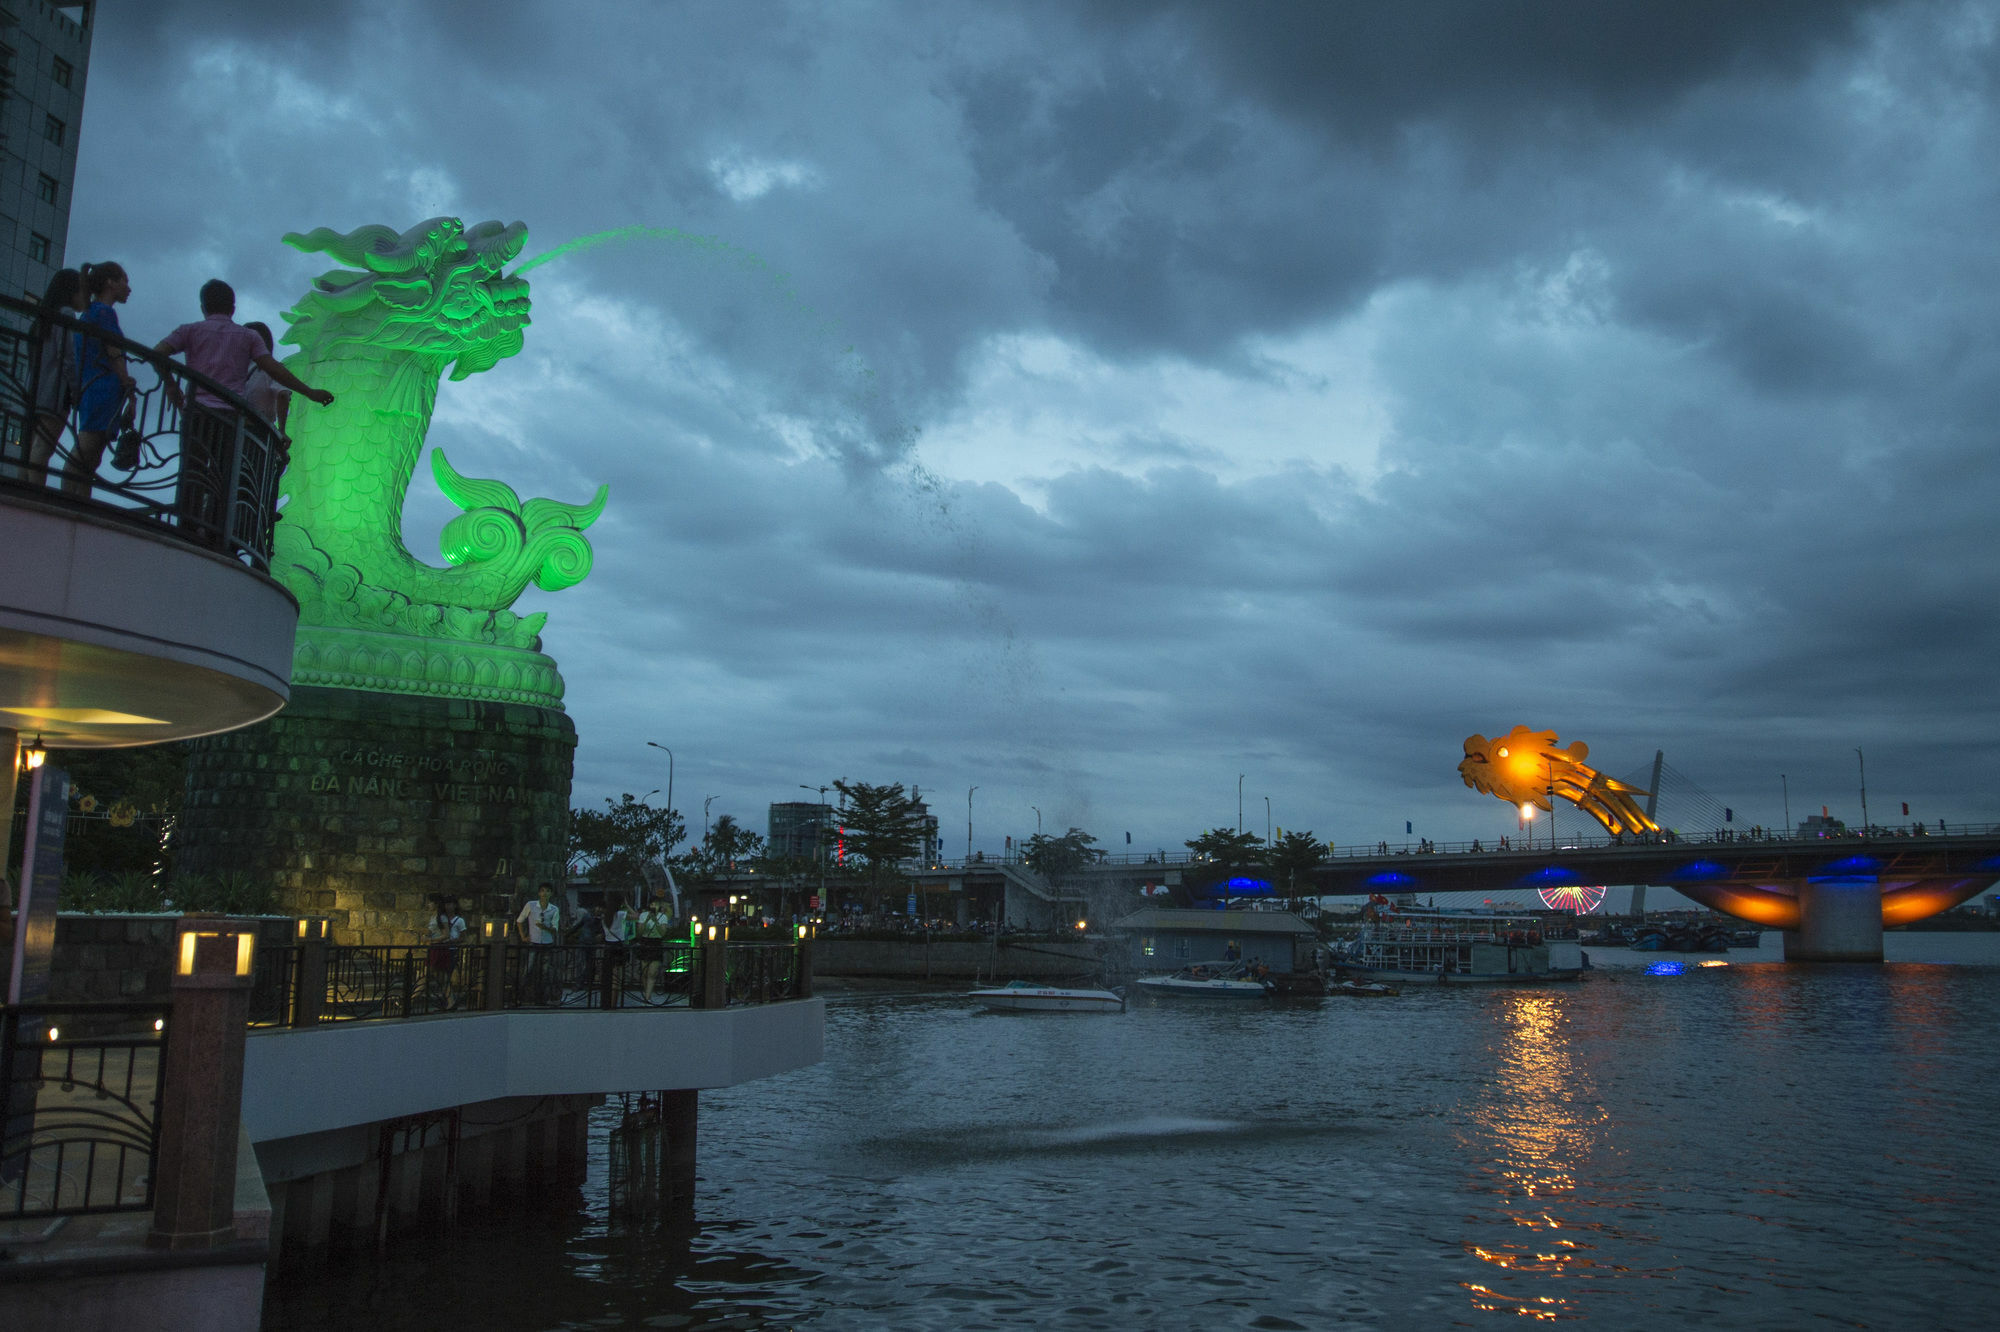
point(615, 234)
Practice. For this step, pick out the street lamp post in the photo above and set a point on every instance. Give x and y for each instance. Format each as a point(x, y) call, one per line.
point(706, 801)
point(1864, 791)
point(1785, 786)
point(1038, 820)
point(670, 772)
point(819, 841)
point(1239, 802)
point(968, 823)
point(1267, 820)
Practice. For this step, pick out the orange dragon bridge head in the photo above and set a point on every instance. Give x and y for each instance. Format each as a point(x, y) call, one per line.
point(1523, 767)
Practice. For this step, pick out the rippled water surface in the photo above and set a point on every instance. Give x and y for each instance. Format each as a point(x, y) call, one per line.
point(1752, 1145)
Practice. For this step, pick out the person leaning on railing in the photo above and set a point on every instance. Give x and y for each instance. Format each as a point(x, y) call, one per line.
point(650, 930)
point(58, 382)
point(225, 351)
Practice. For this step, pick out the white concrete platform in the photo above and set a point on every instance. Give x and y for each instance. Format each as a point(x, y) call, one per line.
point(332, 1077)
point(116, 632)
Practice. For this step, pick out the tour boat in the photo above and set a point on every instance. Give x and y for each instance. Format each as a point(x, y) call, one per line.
point(1447, 947)
point(1027, 997)
point(1229, 981)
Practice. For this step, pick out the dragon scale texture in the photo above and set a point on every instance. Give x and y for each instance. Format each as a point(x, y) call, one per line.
point(380, 334)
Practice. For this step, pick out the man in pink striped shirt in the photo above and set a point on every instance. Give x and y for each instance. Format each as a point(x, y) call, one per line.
point(225, 351)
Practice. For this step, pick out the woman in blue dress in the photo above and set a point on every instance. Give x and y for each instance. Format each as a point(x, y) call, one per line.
point(107, 386)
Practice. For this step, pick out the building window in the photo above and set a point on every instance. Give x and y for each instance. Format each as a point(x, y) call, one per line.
point(45, 188)
point(1180, 946)
point(54, 131)
point(38, 247)
point(60, 72)
point(1146, 945)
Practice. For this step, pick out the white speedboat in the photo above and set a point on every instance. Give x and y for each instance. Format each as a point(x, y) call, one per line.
point(1027, 997)
point(1233, 981)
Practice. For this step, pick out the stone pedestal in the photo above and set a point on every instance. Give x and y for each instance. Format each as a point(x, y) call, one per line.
point(361, 806)
point(1840, 920)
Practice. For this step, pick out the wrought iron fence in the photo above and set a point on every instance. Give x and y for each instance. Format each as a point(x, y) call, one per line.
point(377, 981)
point(762, 973)
point(274, 986)
point(401, 981)
point(80, 1086)
point(600, 975)
point(177, 451)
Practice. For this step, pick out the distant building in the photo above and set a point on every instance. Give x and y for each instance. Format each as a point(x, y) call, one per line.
point(1821, 826)
point(928, 850)
point(795, 828)
point(44, 56)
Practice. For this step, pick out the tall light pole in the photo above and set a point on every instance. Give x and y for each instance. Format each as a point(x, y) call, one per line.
point(670, 772)
point(968, 823)
point(1239, 802)
point(706, 801)
point(1038, 820)
point(1786, 786)
point(819, 840)
point(1864, 791)
point(1267, 820)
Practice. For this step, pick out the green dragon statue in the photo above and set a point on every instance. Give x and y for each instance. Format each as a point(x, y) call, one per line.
point(380, 333)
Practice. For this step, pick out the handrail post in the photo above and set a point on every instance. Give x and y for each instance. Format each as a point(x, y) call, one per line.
point(309, 984)
point(804, 970)
point(607, 979)
point(496, 966)
point(714, 991)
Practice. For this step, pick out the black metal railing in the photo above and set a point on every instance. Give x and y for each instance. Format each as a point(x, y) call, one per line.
point(305, 984)
point(600, 975)
point(180, 451)
point(761, 973)
point(401, 981)
point(80, 1086)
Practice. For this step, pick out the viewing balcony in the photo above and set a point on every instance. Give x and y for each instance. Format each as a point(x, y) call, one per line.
point(136, 606)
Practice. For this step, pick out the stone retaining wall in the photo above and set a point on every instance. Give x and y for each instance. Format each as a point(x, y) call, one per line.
point(108, 959)
point(361, 806)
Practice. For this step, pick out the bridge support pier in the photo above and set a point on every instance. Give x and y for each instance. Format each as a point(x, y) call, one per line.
point(1840, 920)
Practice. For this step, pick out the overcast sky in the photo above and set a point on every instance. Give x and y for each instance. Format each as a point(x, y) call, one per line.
point(1094, 403)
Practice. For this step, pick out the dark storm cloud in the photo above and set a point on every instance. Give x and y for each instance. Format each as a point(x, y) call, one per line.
point(1675, 324)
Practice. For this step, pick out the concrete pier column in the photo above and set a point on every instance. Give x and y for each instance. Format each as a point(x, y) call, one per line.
point(678, 1114)
point(1840, 920)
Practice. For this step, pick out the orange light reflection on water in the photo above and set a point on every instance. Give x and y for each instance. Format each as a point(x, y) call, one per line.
point(1539, 1121)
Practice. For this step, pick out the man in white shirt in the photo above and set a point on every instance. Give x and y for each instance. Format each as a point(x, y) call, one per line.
point(540, 923)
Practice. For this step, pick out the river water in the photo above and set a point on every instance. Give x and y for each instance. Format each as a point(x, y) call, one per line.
point(1754, 1145)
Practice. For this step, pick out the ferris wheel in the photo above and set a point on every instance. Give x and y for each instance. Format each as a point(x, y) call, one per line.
point(1573, 897)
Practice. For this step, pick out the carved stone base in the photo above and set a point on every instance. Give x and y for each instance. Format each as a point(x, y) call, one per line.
point(343, 658)
point(362, 806)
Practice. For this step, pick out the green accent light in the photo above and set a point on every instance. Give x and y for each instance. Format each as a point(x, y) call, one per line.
point(380, 333)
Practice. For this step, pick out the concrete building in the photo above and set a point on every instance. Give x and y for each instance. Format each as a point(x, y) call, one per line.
point(794, 828)
point(44, 58)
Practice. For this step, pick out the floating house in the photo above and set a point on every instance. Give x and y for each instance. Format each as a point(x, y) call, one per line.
point(1168, 938)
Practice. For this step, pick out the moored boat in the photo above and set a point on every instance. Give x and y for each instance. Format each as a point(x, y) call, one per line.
point(1027, 997)
point(1237, 981)
point(1453, 947)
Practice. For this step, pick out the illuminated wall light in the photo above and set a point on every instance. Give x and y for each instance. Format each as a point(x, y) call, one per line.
point(54, 1032)
point(186, 964)
point(246, 948)
point(159, 1024)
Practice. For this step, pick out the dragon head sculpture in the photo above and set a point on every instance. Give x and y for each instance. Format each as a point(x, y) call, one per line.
point(436, 290)
point(1526, 767)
